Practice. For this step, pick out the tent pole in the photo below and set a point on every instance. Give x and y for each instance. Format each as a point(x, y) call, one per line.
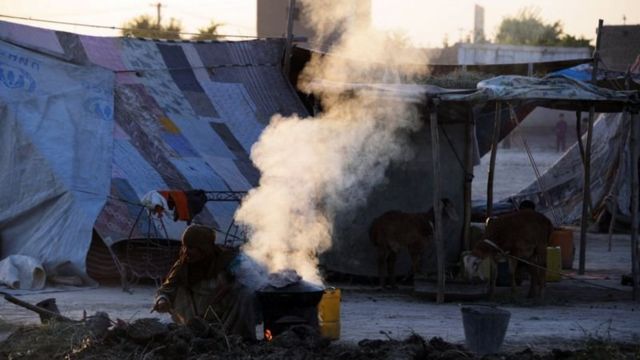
point(634, 205)
point(468, 178)
point(492, 163)
point(579, 135)
point(437, 211)
point(581, 147)
point(614, 192)
point(586, 187)
point(287, 50)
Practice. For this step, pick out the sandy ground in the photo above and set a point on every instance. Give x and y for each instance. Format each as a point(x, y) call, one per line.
point(572, 310)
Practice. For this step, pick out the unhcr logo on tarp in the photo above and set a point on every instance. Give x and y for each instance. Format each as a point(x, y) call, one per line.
point(16, 78)
point(98, 106)
point(99, 103)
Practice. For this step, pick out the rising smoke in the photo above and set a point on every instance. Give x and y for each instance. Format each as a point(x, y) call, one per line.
point(314, 168)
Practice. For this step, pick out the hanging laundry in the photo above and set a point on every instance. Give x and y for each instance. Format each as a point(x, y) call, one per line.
point(186, 204)
point(155, 203)
point(196, 199)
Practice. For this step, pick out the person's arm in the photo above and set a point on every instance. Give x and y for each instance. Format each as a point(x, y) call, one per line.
point(165, 295)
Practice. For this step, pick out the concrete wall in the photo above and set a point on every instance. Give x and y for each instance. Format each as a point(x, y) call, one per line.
point(619, 46)
point(272, 19)
point(475, 54)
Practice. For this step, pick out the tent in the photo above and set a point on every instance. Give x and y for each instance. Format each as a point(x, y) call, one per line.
point(90, 124)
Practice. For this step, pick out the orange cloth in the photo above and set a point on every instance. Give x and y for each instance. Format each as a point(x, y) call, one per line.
point(177, 201)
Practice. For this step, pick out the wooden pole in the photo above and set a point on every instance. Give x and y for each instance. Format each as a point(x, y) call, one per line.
point(634, 205)
point(468, 179)
point(40, 311)
point(287, 50)
point(581, 148)
point(612, 221)
point(579, 135)
point(437, 211)
point(586, 190)
point(614, 192)
point(492, 163)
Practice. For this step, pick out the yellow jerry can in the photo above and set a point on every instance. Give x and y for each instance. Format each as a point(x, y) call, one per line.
point(554, 263)
point(329, 314)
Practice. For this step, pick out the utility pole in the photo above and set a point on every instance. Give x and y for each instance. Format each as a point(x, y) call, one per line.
point(158, 6)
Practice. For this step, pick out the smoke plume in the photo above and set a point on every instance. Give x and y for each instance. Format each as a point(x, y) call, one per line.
point(314, 168)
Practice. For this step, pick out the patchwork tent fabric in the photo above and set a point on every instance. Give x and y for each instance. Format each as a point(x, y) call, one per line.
point(56, 125)
point(559, 191)
point(91, 124)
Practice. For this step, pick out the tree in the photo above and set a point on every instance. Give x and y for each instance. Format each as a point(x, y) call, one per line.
point(527, 28)
point(145, 26)
point(210, 32)
point(397, 39)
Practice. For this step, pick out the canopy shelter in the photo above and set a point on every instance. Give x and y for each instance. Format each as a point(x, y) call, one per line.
point(445, 107)
point(558, 92)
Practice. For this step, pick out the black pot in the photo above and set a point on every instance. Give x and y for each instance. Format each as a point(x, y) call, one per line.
point(290, 305)
point(301, 293)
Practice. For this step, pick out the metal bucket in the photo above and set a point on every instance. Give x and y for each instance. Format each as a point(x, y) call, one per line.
point(484, 328)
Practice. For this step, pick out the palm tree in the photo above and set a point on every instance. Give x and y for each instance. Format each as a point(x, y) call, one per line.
point(210, 32)
point(145, 26)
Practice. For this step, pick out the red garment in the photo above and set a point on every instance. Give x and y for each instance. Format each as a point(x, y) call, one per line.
point(177, 201)
point(185, 204)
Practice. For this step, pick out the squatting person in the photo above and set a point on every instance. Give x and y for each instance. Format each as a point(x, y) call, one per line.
point(201, 284)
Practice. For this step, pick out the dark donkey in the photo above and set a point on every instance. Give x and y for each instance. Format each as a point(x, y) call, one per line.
point(395, 230)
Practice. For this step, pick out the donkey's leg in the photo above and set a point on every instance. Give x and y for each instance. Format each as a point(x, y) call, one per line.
point(391, 268)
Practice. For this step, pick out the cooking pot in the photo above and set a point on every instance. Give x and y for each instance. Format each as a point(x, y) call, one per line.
point(299, 294)
point(290, 305)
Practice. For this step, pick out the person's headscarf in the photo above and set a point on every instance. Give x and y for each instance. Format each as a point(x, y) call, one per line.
point(200, 237)
point(215, 258)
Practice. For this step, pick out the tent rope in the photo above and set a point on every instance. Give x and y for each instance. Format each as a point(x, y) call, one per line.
point(507, 254)
point(536, 171)
point(455, 153)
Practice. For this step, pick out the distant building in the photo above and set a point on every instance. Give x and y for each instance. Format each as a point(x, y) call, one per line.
point(478, 24)
point(483, 54)
point(272, 20)
point(619, 46)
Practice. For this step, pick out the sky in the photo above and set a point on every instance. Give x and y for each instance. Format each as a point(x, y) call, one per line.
point(425, 22)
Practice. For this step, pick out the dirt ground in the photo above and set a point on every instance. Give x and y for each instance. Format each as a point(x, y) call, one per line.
point(573, 310)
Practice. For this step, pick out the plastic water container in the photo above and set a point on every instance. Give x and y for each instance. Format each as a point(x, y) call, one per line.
point(484, 328)
point(564, 239)
point(553, 263)
point(329, 314)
